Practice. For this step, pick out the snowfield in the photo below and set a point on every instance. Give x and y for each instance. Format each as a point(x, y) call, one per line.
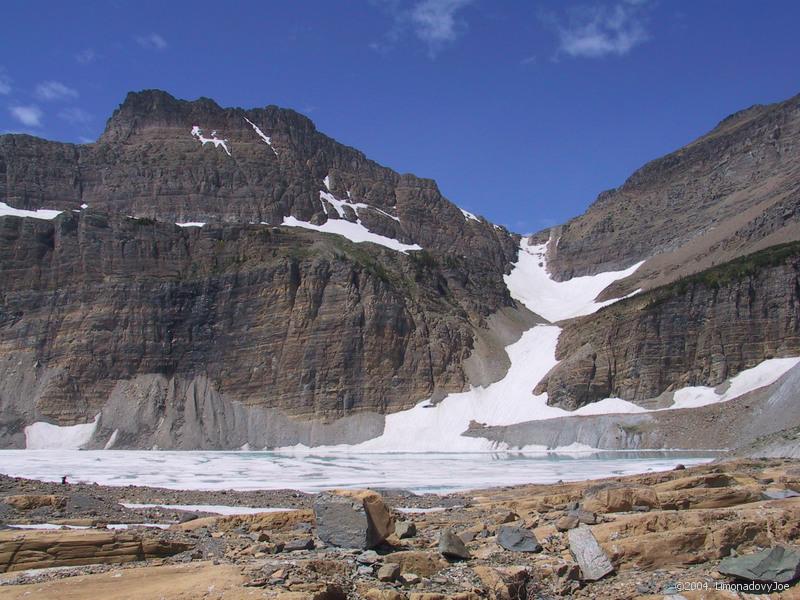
point(43, 436)
point(355, 232)
point(41, 213)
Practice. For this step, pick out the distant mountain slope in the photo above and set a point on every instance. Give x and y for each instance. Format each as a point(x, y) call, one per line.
point(733, 191)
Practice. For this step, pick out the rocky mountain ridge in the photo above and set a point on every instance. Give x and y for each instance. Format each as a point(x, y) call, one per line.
point(205, 285)
point(729, 193)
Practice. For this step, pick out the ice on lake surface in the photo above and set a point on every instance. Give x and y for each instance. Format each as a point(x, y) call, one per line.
point(309, 472)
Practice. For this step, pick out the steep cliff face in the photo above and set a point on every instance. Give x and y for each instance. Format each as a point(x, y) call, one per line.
point(284, 322)
point(314, 326)
point(180, 161)
point(698, 331)
point(733, 191)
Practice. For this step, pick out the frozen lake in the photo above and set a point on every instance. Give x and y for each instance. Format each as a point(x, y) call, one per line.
point(310, 472)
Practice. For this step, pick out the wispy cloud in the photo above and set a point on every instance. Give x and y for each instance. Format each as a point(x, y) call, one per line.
point(151, 41)
point(75, 115)
point(436, 23)
point(598, 30)
point(54, 90)
point(86, 56)
point(27, 115)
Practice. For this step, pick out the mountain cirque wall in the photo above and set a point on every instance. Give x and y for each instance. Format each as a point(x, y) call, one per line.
point(698, 331)
point(731, 192)
point(313, 326)
point(236, 316)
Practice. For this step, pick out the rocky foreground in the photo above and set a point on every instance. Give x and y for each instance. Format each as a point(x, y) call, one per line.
point(723, 530)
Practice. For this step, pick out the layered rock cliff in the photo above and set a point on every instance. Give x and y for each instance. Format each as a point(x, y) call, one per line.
point(241, 314)
point(698, 331)
point(315, 326)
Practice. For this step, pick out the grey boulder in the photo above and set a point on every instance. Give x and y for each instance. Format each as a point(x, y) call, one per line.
point(352, 518)
point(517, 539)
point(451, 546)
point(778, 565)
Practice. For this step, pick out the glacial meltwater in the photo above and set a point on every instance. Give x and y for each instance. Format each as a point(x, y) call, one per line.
point(312, 472)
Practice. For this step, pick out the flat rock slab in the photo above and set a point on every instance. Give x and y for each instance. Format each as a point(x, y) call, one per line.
point(778, 565)
point(591, 558)
point(517, 539)
point(43, 549)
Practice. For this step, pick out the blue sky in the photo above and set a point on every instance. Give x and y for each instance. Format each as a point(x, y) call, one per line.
point(522, 111)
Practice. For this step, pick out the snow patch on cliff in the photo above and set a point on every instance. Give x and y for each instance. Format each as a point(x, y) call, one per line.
point(764, 373)
point(468, 216)
point(198, 133)
point(354, 232)
point(41, 213)
point(267, 139)
point(46, 436)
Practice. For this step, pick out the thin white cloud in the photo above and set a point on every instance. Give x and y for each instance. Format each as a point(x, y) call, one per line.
point(151, 41)
point(54, 90)
point(436, 23)
point(27, 115)
point(595, 31)
point(75, 115)
point(86, 56)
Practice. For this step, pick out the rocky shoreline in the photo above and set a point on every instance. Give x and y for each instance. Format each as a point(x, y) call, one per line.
point(684, 533)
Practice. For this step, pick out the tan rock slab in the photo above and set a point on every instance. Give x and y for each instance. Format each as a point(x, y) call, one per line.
point(20, 550)
point(29, 502)
point(175, 582)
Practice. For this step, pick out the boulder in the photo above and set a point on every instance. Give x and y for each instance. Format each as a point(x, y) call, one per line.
point(517, 539)
point(388, 572)
point(567, 522)
point(591, 558)
point(426, 564)
point(451, 546)
point(299, 544)
point(405, 529)
point(352, 518)
point(778, 564)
